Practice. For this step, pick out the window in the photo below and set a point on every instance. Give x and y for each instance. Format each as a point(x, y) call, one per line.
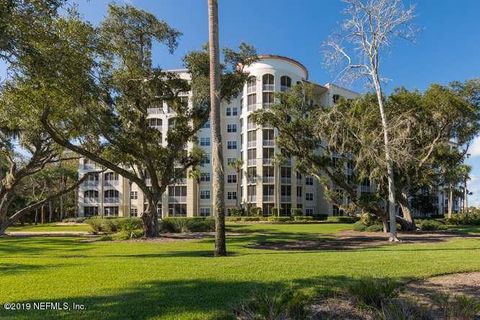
point(309, 181)
point(177, 209)
point(231, 144)
point(251, 102)
point(133, 212)
point(335, 98)
point(90, 194)
point(267, 99)
point(205, 160)
point(309, 211)
point(234, 111)
point(228, 112)
point(232, 178)
point(268, 82)
point(111, 211)
point(230, 161)
point(155, 123)
point(111, 176)
point(204, 194)
point(204, 141)
point(308, 196)
point(206, 125)
point(299, 192)
point(285, 83)
point(111, 194)
point(231, 195)
point(90, 211)
point(205, 177)
point(204, 211)
point(232, 127)
point(134, 195)
point(251, 85)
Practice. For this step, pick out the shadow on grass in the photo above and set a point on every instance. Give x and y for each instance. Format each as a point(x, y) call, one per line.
point(178, 299)
point(40, 245)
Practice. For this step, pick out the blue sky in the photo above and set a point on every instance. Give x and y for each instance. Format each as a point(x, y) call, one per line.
point(446, 49)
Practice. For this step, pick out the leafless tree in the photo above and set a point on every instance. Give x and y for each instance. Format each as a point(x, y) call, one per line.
point(370, 27)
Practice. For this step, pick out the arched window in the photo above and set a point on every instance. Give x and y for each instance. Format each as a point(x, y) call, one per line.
point(90, 194)
point(251, 85)
point(285, 83)
point(112, 195)
point(268, 82)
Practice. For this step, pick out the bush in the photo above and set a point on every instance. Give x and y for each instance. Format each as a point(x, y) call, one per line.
point(302, 218)
point(368, 219)
point(359, 226)
point(111, 225)
point(320, 217)
point(256, 211)
point(275, 212)
point(373, 292)
point(431, 225)
point(279, 219)
point(126, 235)
point(178, 225)
point(374, 228)
point(236, 212)
point(296, 212)
point(233, 219)
point(249, 219)
point(287, 304)
point(342, 219)
point(96, 224)
point(75, 220)
point(130, 224)
point(470, 218)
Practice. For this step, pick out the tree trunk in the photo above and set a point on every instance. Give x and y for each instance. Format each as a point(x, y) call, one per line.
point(237, 200)
point(218, 200)
point(465, 196)
point(150, 219)
point(390, 177)
point(50, 211)
point(62, 214)
point(36, 216)
point(409, 224)
point(384, 223)
point(42, 215)
point(450, 201)
point(4, 224)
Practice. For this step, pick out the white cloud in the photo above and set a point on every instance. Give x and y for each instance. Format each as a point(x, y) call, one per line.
point(474, 149)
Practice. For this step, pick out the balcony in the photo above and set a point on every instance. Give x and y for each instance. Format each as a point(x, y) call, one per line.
point(284, 88)
point(251, 162)
point(252, 180)
point(251, 144)
point(269, 198)
point(268, 87)
point(268, 143)
point(177, 199)
point(268, 179)
point(110, 183)
point(252, 107)
point(267, 161)
point(111, 200)
point(286, 180)
point(251, 125)
point(365, 188)
point(251, 198)
point(286, 198)
point(88, 183)
point(251, 89)
point(90, 200)
point(181, 181)
point(267, 105)
point(90, 166)
point(155, 110)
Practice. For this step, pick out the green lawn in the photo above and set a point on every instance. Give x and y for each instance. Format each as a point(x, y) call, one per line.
point(180, 280)
point(47, 227)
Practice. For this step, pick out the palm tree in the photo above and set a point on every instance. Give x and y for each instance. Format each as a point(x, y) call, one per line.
point(218, 201)
point(195, 174)
point(237, 165)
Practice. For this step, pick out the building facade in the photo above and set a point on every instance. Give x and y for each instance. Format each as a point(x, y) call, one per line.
point(260, 182)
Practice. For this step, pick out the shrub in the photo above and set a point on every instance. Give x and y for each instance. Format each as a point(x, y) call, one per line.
point(320, 217)
point(96, 224)
point(248, 219)
point(470, 218)
point(296, 212)
point(373, 292)
point(431, 225)
point(359, 226)
point(302, 218)
point(275, 212)
point(75, 220)
point(233, 219)
point(236, 212)
point(368, 219)
point(111, 225)
point(130, 224)
point(374, 228)
point(126, 235)
point(279, 219)
point(256, 211)
point(286, 304)
point(196, 224)
point(342, 219)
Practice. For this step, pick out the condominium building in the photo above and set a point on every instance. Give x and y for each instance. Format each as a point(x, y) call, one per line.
point(261, 182)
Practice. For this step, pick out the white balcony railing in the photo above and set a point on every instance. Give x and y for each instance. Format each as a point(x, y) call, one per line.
point(177, 199)
point(286, 180)
point(251, 89)
point(267, 105)
point(267, 161)
point(154, 110)
point(268, 179)
point(286, 198)
point(251, 144)
point(268, 143)
point(269, 198)
point(268, 87)
point(111, 200)
point(88, 183)
point(252, 162)
point(90, 200)
point(251, 198)
point(111, 183)
point(251, 125)
point(252, 180)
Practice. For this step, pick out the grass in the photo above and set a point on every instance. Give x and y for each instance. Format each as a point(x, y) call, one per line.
point(48, 227)
point(181, 280)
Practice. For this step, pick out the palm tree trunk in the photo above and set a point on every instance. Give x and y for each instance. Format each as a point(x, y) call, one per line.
point(450, 201)
point(218, 200)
